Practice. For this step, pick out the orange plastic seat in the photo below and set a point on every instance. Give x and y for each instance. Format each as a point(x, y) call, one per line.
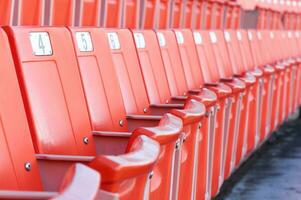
point(177, 19)
point(22, 176)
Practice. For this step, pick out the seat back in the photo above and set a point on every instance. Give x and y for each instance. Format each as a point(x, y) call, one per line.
point(112, 13)
point(127, 67)
point(217, 15)
point(131, 14)
point(62, 13)
point(203, 40)
point(149, 18)
point(255, 49)
point(198, 18)
point(30, 12)
point(99, 78)
point(177, 15)
point(6, 8)
point(172, 62)
point(89, 14)
point(50, 83)
point(244, 46)
point(164, 14)
point(236, 57)
point(152, 66)
point(189, 13)
point(220, 49)
point(192, 69)
point(207, 15)
point(16, 148)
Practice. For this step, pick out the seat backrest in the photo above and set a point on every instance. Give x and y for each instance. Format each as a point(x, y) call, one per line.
point(62, 13)
point(149, 18)
point(6, 8)
point(16, 148)
point(177, 13)
point(152, 66)
point(189, 57)
point(131, 14)
point(50, 83)
point(255, 49)
point(30, 12)
point(99, 79)
point(89, 14)
point(207, 15)
point(220, 50)
point(203, 40)
point(189, 13)
point(217, 15)
point(127, 67)
point(172, 62)
point(112, 13)
point(236, 57)
point(244, 46)
point(198, 18)
point(164, 14)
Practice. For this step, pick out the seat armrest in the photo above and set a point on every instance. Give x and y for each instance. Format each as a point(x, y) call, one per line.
point(137, 161)
point(193, 112)
point(73, 187)
point(16, 194)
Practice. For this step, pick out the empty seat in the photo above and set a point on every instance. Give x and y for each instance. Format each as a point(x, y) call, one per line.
point(56, 108)
point(22, 177)
point(177, 15)
point(217, 19)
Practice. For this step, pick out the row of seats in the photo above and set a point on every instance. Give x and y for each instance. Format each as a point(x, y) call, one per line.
point(122, 13)
point(169, 114)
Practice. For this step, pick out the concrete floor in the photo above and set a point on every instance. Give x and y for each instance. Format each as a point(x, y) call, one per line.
point(273, 173)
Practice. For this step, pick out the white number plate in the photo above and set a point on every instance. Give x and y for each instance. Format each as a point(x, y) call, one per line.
point(84, 41)
point(139, 40)
point(161, 38)
point(113, 40)
point(180, 37)
point(197, 38)
point(227, 36)
point(213, 37)
point(40, 43)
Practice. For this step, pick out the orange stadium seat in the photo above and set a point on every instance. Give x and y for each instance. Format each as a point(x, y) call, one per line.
point(21, 172)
